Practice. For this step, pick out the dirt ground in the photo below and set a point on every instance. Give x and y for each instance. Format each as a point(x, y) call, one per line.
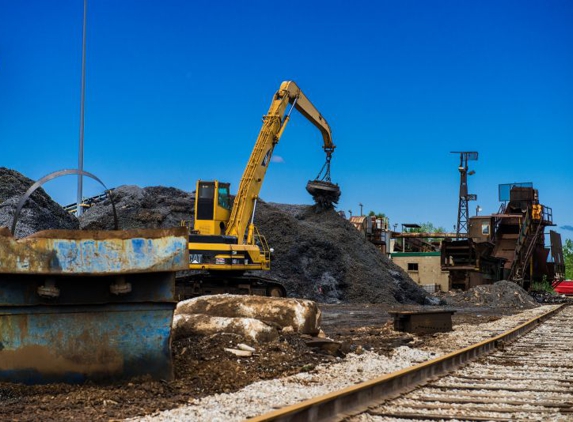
point(203, 368)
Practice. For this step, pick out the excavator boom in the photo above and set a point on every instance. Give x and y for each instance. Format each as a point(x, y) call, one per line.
point(274, 123)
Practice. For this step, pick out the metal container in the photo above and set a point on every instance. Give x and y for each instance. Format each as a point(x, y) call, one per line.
point(425, 322)
point(88, 305)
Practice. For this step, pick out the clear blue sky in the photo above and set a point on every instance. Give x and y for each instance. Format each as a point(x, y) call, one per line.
point(176, 91)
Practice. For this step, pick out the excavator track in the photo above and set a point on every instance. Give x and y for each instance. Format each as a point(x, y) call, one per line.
point(192, 285)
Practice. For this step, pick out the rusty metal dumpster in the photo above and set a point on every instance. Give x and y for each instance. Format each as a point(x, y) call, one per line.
point(88, 305)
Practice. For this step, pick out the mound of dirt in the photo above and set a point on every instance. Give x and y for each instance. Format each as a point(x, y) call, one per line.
point(502, 294)
point(140, 208)
point(322, 257)
point(40, 212)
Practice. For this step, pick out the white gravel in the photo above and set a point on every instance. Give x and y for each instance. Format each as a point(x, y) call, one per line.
point(265, 396)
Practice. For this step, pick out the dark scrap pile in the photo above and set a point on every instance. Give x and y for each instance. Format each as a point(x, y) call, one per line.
point(550, 297)
point(321, 256)
point(140, 208)
point(503, 294)
point(318, 256)
point(40, 212)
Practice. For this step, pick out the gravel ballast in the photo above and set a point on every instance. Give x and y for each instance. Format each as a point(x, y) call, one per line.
point(263, 397)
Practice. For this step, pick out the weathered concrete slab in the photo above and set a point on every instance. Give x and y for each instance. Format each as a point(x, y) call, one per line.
point(302, 315)
point(186, 325)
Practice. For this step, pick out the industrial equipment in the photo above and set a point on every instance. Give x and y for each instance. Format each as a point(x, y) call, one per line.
point(508, 245)
point(79, 305)
point(225, 244)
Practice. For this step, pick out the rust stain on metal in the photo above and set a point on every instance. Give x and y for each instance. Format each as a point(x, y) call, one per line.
point(107, 234)
point(43, 360)
point(94, 252)
point(82, 329)
point(23, 327)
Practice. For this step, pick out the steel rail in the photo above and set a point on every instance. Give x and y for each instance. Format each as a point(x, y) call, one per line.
point(340, 404)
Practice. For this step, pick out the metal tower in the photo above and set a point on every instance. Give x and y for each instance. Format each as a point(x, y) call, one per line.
point(465, 197)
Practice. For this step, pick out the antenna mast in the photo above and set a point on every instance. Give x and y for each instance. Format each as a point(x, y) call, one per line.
point(465, 197)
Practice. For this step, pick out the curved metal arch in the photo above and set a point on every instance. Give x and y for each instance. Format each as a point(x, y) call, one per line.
point(51, 176)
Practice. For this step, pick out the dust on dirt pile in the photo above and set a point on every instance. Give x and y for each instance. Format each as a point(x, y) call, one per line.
point(40, 212)
point(322, 257)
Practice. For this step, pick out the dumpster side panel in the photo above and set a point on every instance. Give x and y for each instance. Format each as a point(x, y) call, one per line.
point(88, 305)
point(76, 253)
point(21, 290)
point(107, 342)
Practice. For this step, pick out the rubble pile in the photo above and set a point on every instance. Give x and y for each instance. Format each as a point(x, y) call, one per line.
point(549, 297)
point(322, 257)
point(140, 208)
point(502, 294)
point(317, 256)
point(40, 212)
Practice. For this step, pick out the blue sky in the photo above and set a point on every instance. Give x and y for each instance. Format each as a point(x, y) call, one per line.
point(176, 91)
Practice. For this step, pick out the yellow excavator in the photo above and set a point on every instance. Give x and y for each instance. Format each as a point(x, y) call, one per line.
point(225, 245)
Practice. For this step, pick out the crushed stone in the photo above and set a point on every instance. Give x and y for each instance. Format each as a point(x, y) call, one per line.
point(264, 396)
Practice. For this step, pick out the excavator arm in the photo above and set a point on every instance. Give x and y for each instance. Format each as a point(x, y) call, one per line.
point(274, 123)
point(305, 107)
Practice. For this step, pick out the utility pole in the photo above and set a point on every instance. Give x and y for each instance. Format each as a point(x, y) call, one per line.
point(82, 101)
point(361, 209)
point(464, 197)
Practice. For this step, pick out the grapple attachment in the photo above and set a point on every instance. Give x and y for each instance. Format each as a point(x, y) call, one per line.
point(325, 194)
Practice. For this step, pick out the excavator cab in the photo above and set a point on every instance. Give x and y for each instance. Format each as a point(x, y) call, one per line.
point(212, 207)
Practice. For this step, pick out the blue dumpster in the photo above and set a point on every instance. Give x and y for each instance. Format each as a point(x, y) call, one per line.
point(88, 305)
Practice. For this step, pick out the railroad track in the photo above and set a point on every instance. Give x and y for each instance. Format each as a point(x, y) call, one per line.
point(524, 374)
